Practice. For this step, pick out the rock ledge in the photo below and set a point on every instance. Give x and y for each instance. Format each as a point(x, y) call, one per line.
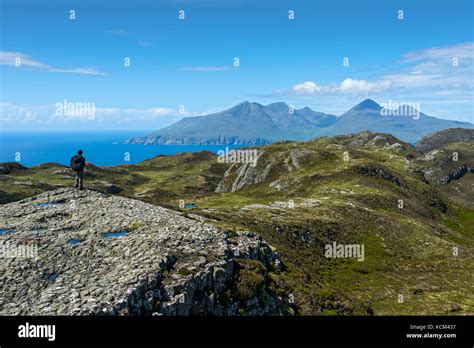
point(103, 254)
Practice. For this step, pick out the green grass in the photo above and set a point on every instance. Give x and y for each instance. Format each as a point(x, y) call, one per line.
point(461, 221)
point(408, 251)
point(249, 278)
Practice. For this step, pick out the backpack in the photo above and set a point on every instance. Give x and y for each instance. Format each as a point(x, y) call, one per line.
point(76, 163)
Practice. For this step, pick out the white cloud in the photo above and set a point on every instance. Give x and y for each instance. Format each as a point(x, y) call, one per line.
point(349, 85)
point(436, 69)
point(23, 60)
point(361, 86)
point(139, 113)
point(86, 114)
point(86, 71)
point(10, 58)
point(163, 111)
point(419, 75)
point(463, 50)
point(307, 87)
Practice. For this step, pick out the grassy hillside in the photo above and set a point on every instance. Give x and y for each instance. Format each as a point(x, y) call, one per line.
point(409, 250)
point(161, 179)
point(368, 189)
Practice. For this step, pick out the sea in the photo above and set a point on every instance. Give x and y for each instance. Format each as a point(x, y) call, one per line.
point(103, 148)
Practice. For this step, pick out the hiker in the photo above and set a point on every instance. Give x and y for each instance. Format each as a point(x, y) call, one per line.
point(78, 162)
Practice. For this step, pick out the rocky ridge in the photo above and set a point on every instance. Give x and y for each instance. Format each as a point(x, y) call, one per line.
point(442, 138)
point(99, 254)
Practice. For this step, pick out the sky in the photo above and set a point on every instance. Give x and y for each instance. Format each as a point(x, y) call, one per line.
point(331, 55)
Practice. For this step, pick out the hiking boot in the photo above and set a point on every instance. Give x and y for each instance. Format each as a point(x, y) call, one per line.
point(81, 188)
point(76, 186)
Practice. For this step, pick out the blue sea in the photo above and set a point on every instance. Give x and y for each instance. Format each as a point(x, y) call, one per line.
point(101, 147)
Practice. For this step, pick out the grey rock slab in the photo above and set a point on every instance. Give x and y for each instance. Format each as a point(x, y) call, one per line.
point(116, 269)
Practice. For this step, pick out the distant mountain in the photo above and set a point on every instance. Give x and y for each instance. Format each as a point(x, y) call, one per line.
point(254, 124)
point(405, 122)
point(244, 124)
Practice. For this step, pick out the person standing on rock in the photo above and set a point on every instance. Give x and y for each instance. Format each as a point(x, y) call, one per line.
point(78, 162)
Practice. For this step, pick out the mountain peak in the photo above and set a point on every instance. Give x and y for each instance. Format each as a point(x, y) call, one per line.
point(277, 106)
point(245, 102)
point(367, 104)
point(244, 108)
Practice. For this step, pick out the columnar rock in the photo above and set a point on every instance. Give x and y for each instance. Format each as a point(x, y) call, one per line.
point(71, 252)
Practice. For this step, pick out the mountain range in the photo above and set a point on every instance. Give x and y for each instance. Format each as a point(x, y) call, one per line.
point(250, 123)
point(244, 124)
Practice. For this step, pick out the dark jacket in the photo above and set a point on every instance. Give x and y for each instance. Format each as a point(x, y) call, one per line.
point(78, 163)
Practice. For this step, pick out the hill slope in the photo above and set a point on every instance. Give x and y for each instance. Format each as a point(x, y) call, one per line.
point(364, 189)
point(448, 161)
point(440, 139)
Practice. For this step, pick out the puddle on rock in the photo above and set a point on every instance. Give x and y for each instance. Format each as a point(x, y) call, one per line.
point(52, 277)
point(48, 204)
point(114, 234)
point(4, 232)
point(74, 241)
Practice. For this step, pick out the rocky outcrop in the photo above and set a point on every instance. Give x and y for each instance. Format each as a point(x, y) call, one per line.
point(441, 166)
point(455, 175)
point(380, 171)
point(440, 139)
point(268, 164)
point(369, 139)
point(89, 253)
point(241, 175)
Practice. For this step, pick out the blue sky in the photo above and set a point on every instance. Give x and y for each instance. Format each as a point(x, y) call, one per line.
point(189, 62)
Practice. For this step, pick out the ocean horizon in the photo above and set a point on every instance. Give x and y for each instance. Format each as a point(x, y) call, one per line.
point(103, 148)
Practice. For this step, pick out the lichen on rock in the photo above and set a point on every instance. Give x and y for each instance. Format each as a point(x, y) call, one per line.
point(128, 258)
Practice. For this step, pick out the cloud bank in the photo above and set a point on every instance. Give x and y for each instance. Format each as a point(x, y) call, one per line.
point(437, 71)
point(86, 115)
point(21, 60)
